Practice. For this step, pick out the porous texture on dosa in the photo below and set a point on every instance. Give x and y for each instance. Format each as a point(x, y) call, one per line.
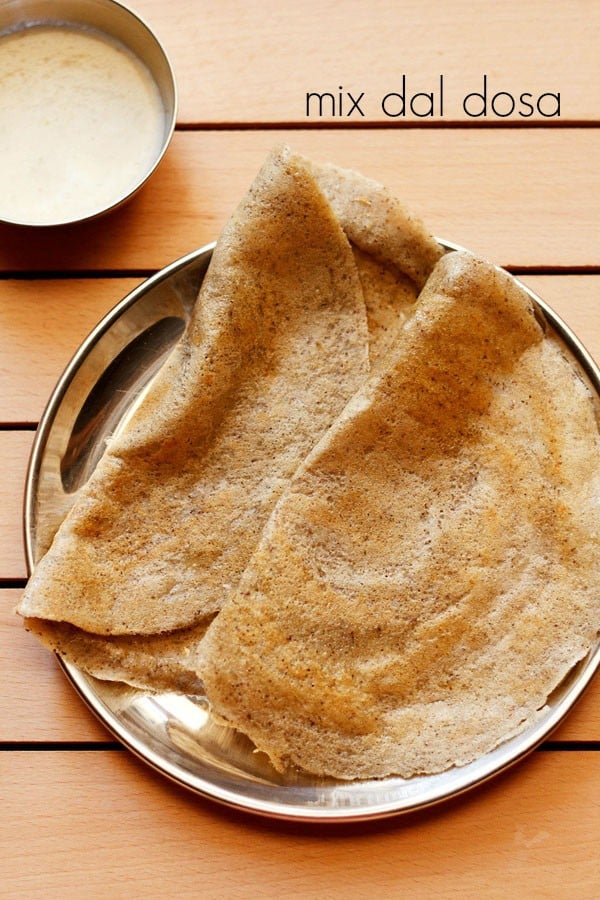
point(277, 344)
point(162, 532)
point(378, 224)
point(389, 300)
point(431, 574)
point(156, 662)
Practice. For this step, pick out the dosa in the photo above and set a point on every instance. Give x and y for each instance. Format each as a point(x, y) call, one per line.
point(431, 573)
point(287, 319)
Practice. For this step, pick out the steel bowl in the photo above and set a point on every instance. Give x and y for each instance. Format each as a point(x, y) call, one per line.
point(112, 20)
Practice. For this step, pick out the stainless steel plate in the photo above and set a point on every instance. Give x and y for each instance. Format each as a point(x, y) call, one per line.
point(175, 734)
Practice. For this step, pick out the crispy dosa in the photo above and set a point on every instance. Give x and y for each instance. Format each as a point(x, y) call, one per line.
point(393, 251)
point(277, 344)
point(154, 662)
point(377, 223)
point(430, 575)
point(176, 477)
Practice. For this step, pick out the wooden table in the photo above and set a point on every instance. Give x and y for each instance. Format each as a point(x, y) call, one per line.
point(80, 816)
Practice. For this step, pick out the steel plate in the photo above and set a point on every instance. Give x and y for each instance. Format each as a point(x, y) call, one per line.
point(176, 734)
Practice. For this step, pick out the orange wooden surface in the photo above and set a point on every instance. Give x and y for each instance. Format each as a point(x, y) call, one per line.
point(15, 447)
point(254, 61)
point(98, 823)
point(521, 198)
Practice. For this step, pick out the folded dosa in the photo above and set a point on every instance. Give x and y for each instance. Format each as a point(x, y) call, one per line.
point(277, 343)
point(393, 250)
point(377, 223)
point(154, 662)
point(431, 573)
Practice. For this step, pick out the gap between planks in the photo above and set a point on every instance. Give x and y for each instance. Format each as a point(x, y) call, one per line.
point(93, 746)
point(76, 274)
point(378, 125)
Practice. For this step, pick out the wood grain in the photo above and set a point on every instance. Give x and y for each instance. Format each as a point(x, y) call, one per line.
point(15, 447)
point(521, 198)
point(575, 299)
point(37, 703)
point(255, 61)
point(100, 824)
point(53, 712)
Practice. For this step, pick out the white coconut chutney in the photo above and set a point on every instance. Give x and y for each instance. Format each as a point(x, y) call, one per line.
point(81, 124)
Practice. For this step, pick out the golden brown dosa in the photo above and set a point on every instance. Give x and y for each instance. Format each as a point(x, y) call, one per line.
point(377, 223)
point(431, 574)
point(176, 477)
point(276, 345)
point(389, 299)
point(155, 662)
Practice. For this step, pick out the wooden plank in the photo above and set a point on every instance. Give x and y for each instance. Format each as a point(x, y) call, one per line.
point(100, 823)
point(255, 61)
point(15, 447)
point(42, 322)
point(575, 299)
point(583, 721)
point(519, 197)
point(53, 712)
point(34, 348)
point(37, 703)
